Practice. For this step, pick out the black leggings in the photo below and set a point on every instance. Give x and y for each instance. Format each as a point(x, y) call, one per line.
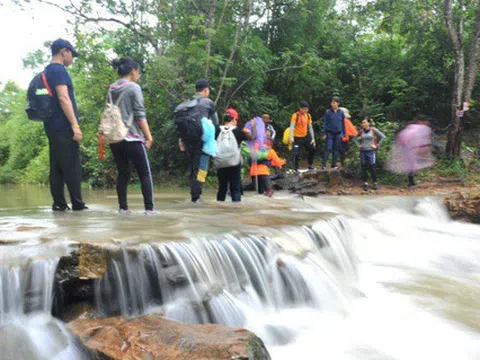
point(297, 147)
point(125, 154)
point(264, 183)
point(230, 176)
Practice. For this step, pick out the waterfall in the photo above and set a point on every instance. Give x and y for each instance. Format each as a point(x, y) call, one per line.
point(26, 288)
point(220, 279)
point(389, 278)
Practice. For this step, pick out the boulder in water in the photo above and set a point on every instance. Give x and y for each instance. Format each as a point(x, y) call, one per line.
point(154, 337)
point(464, 207)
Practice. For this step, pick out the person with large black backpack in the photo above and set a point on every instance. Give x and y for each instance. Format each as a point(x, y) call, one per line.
point(51, 99)
point(189, 117)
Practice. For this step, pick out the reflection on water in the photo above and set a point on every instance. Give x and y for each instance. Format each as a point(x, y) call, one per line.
point(412, 293)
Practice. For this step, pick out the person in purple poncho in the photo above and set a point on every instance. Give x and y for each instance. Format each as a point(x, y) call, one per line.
point(413, 150)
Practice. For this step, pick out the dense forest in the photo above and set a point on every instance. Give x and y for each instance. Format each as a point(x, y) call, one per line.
point(388, 60)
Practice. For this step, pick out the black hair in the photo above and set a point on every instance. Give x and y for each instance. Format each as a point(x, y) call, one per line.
point(336, 99)
point(125, 65)
point(227, 118)
point(304, 103)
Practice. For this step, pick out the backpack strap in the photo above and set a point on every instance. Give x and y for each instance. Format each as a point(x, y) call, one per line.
point(45, 83)
point(109, 97)
point(374, 134)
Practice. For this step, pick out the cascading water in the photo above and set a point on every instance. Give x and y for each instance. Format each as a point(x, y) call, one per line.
point(390, 278)
point(228, 278)
point(26, 289)
point(27, 331)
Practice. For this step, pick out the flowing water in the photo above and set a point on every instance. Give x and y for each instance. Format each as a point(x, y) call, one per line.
point(330, 277)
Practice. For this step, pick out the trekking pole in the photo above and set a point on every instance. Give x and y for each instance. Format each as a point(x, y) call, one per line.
point(254, 159)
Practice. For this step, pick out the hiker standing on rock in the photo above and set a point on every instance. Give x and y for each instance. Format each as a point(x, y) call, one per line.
point(196, 120)
point(333, 131)
point(63, 129)
point(271, 133)
point(412, 151)
point(300, 125)
point(350, 133)
point(369, 140)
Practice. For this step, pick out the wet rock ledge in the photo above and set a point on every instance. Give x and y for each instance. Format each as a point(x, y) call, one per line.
point(153, 337)
point(464, 207)
point(143, 337)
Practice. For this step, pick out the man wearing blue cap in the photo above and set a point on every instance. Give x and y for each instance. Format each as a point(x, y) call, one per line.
point(63, 129)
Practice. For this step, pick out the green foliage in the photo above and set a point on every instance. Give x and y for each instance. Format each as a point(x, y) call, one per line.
point(21, 140)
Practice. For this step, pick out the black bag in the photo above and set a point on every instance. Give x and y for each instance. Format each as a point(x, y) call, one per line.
point(187, 120)
point(38, 98)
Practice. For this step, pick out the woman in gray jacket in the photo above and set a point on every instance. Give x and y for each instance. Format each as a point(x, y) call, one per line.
point(369, 140)
point(127, 95)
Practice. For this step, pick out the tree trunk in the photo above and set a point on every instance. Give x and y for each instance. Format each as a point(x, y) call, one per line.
point(210, 29)
point(456, 37)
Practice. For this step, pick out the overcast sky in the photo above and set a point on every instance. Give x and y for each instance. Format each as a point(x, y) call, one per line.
point(23, 31)
point(26, 29)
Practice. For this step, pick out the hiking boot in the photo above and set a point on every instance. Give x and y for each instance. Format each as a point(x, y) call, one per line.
point(269, 193)
point(62, 207)
point(375, 186)
point(80, 208)
point(365, 187)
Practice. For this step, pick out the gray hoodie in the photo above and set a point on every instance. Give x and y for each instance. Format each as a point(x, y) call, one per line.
point(367, 138)
point(128, 96)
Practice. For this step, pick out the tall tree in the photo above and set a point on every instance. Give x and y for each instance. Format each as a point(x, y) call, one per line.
point(466, 67)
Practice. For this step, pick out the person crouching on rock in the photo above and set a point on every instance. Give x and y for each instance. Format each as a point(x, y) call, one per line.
point(369, 140)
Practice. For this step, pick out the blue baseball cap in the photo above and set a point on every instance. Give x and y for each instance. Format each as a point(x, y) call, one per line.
point(60, 44)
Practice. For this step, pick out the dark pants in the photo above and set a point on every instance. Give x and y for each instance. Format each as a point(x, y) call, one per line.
point(411, 179)
point(126, 154)
point(230, 177)
point(331, 146)
point(368, 161)
point(65, 168)
point(198, 162)
point(264, 183)
point(297, 147)
point(343, 150)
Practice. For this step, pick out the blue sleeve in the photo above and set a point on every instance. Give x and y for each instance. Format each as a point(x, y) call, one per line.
point(325, 117)
point(58, 76)
point(344, 132)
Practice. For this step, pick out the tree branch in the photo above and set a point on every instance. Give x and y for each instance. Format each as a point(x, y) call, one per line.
point(234, 47)
point(452, 32)
point(130, 26)
point(265, 72)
